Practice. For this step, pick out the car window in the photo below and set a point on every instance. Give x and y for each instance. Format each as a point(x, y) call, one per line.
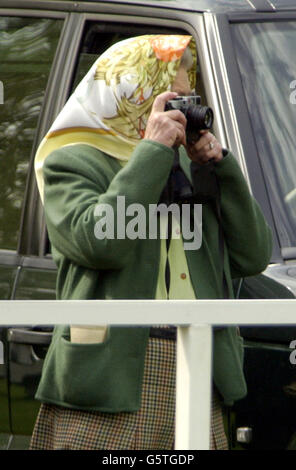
point(266, 59)
point(27, 48)
point(98, 37)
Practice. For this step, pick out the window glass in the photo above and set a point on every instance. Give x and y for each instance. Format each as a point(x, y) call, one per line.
point(27, 47)
point(100, 36)
point(266, 58)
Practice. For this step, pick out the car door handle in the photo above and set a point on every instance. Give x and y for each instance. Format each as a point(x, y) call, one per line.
point(244, 435)
point(23, 336)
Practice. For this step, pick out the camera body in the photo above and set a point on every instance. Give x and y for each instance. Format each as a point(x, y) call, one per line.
point(198, 117)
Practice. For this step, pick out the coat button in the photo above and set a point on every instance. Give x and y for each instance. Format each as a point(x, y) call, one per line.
point(183, 276)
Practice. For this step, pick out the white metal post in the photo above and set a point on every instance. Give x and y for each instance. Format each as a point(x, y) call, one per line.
point(193, 388)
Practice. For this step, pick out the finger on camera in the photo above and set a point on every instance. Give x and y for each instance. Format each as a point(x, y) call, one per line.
point(161, 100)
point(205, 133)
point(173, 133)
point(177, 115)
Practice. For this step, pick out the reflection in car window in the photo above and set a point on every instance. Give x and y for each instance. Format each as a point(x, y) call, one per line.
point(27, 47)
point(266, 58)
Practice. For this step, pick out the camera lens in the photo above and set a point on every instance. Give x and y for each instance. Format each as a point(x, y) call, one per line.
point(199, 117)
point(208, 118)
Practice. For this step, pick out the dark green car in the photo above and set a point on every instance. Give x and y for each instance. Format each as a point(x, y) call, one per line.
point(246, 73)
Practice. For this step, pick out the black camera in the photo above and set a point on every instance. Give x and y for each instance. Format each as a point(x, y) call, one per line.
point(198, 117)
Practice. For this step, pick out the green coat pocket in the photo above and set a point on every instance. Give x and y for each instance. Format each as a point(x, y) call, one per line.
point(103, 376)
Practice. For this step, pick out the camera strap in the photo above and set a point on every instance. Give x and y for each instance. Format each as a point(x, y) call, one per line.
point(206, 190)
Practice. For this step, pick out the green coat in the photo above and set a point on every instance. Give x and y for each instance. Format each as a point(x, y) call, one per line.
point(108, 376)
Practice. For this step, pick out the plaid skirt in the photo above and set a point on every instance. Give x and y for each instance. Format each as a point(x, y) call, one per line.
point(150, 428)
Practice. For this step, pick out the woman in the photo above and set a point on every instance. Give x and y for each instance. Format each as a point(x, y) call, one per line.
point(114, 388)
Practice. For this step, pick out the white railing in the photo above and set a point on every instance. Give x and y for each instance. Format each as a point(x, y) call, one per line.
point(194, 318)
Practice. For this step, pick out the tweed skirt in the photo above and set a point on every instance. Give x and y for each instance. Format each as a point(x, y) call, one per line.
point(150, 428)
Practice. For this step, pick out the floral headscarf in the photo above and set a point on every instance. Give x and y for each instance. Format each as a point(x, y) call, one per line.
point(110, 107)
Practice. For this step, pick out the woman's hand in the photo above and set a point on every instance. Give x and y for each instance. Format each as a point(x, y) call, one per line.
point(166, 127)
point(205, 149)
